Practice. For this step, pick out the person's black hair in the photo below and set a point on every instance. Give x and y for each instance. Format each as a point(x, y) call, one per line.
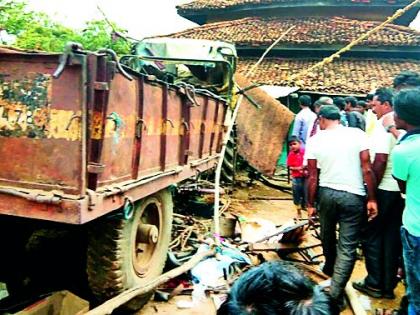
point(330, 112)
point(362, 104)
point(407, 106)
point(370, 96)
point(352, 100)
point(293, 139)
point(276, 287)
point(340, 102)
point(407, 79)
point(385, 94)
point(304, 100)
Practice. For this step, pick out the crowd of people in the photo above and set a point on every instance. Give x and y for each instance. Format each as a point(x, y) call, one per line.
point(356, 164)
point(360, 163)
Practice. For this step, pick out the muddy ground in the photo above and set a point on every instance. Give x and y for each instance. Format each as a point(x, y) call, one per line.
point(277, 211)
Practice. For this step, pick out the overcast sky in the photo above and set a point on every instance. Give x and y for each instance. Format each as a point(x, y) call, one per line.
point(140, 18)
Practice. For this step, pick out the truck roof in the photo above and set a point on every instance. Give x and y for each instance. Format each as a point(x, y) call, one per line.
point(182, 48)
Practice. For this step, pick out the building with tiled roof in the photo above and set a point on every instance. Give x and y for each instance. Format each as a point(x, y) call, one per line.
point(208, 5)
point(344, 76)
point(307, 32)
point(253, 25)
point(207, 11)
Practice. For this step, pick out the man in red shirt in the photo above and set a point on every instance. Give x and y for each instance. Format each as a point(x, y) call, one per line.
point(298, 172)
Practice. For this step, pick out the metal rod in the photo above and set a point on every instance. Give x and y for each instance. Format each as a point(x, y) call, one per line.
point(48, 199)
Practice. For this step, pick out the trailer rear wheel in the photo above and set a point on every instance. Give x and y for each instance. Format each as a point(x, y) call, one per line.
point(14, 235)
point(124, 253)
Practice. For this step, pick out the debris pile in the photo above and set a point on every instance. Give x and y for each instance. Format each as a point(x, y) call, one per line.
point(188, 232)
point(242, 243)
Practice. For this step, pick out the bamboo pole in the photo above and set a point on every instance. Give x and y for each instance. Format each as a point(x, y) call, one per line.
point(357, 41)
point(354, 300)
point(226, 140)
point(127, 295)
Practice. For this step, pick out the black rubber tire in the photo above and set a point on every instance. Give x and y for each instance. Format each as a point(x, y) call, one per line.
point(229, 161)
point(110, 261)
point(14, 234)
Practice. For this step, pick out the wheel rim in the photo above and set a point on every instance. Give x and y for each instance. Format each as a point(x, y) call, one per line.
point(147, 237)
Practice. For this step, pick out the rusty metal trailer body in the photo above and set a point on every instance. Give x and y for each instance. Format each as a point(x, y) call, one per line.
point(94, 140)
point(89, 148)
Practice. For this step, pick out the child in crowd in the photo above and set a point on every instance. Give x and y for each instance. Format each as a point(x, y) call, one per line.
point(298, 172)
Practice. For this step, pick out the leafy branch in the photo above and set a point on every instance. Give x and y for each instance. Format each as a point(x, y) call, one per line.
point(34, 30)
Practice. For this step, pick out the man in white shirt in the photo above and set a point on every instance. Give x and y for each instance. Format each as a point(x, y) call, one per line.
point(342, 156)
point(304, 119)
point(382, 241)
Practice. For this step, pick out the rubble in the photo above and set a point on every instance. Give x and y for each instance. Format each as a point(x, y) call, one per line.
point(248, 241)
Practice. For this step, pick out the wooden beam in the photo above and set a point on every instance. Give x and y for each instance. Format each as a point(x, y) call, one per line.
point(127, 295)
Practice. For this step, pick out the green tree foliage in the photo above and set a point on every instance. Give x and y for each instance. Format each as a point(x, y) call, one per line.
point(13, 17)
point(99, 34)
point(35, 30)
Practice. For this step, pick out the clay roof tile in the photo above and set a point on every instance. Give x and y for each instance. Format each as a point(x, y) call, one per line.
point(343, 76)
point(200, 5)
point(309, 31)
